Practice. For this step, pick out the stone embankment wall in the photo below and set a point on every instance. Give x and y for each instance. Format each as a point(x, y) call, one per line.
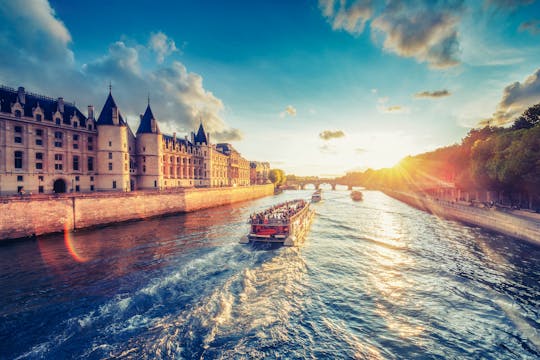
point(489, 218)
point(36, 215)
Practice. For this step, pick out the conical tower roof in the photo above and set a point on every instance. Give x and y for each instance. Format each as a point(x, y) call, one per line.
point(105, 117)
point(201, 135)
point(145, 127)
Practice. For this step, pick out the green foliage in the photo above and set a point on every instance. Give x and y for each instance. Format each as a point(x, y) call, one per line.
point(278, 177)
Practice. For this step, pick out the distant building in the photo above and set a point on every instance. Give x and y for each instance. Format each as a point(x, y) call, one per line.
point(259, 172)
point(48, 146)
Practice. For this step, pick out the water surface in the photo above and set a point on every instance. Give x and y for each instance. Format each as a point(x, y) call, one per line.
point(374, 280)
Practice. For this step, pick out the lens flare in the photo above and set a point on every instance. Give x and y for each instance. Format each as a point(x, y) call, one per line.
point(68, 240)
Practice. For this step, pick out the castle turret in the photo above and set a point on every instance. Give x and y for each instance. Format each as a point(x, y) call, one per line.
point(112, 150)
point(149, 152)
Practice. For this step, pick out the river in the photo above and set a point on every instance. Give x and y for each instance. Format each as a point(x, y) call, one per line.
point(375, 279)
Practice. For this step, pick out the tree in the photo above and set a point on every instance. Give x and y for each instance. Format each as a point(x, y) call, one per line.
point(529, 119)
point(277, 176)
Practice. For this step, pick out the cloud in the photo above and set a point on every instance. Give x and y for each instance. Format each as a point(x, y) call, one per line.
point(351, 17)
point(532, 26)
point(382, 106)
point(162, 45)
point(289, 110)
point(329, 134)
point(417, 28)
point(517, 97)
point(426, 33)
point(179, 100)
point(432, 94)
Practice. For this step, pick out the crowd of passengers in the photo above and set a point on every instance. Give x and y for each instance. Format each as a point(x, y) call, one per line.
point(278, 214)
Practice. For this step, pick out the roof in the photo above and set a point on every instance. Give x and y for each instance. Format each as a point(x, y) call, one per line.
point(145, 127)
point(182, 141)
point(105, 117)
point(8, 96)
point(201, 135)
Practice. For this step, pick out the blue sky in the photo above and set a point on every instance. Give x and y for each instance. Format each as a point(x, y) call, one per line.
point(315, 87)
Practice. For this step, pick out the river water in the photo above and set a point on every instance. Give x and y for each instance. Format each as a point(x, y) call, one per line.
point(373, 280)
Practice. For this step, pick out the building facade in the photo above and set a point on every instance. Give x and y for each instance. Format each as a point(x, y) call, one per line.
point(48, 146)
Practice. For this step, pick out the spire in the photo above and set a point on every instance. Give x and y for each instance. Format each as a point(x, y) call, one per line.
point(201, 135)
point(148, 123)
point(110, 114)
point(110, 87)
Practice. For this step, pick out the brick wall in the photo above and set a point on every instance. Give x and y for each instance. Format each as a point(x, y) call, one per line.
point(47, 214)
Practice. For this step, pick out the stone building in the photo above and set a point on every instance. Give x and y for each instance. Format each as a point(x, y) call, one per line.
point(259, 172)
point(48, 146)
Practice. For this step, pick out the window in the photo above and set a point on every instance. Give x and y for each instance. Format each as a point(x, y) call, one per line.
point(39, 156)
point(18, 113)
point(77, 188)
point(39, 132)
point(77, 178)
point(110, 143)
point(126, 167)
point(114, 184)
point(155, 183)
point(57, 121)
point(18, 129)
point(40, 189)
point(110, 166)
point(91, 186)
point(58, 138)
point(39, 166)
point(18, 159)
point(75, 162)
point(144, 159)
point(18, 140)
point(40, 178)
point(58, 166)
point(125, 156)
point(90, 139)
point(38, 117)
point(91, 166)
point(19, 189)
point(75, 137)
point(90, 128)
point(110, 155)
point(75, 146)
point(75, 124)
point(20, 178)
point(91, 178)
point(144, 168)
point(58, 157)
point(39, 142)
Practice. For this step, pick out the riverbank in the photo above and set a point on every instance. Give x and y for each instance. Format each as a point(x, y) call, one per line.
point(521, 226)
point(37, 215)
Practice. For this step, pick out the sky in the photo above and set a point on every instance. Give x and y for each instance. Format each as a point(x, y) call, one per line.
point(315, 87)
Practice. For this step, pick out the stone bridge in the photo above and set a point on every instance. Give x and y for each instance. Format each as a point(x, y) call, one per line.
point(301, 183)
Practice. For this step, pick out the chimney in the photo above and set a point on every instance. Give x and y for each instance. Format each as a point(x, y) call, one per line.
point(21, 96)
point(153, 124)
point(91, 112)
point(174, 138)
point(61, 104)
point(115, 116)
point(192, 137)
point(207, 138)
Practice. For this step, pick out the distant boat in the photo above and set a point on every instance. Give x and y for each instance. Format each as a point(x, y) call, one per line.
point(286, 224)
point(317, 196)
point(357, 195)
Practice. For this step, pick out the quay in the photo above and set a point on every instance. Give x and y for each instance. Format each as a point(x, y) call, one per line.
point(25, 216)
point(518, 224)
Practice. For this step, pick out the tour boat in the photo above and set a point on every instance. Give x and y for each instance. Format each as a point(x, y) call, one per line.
point(357, 195)
point(286, 223)
point(317, 196)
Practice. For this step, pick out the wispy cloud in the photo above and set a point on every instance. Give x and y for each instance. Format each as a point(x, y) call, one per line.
point(532, 26)
point(329, 134)
point(349, 16)
point(432, 94)
point(289, 111)
point(517, 97)
point(382, 106)
point(162, 45)
point(360, 151)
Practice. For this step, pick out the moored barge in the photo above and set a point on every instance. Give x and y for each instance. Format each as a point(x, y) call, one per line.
point(286, 223)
